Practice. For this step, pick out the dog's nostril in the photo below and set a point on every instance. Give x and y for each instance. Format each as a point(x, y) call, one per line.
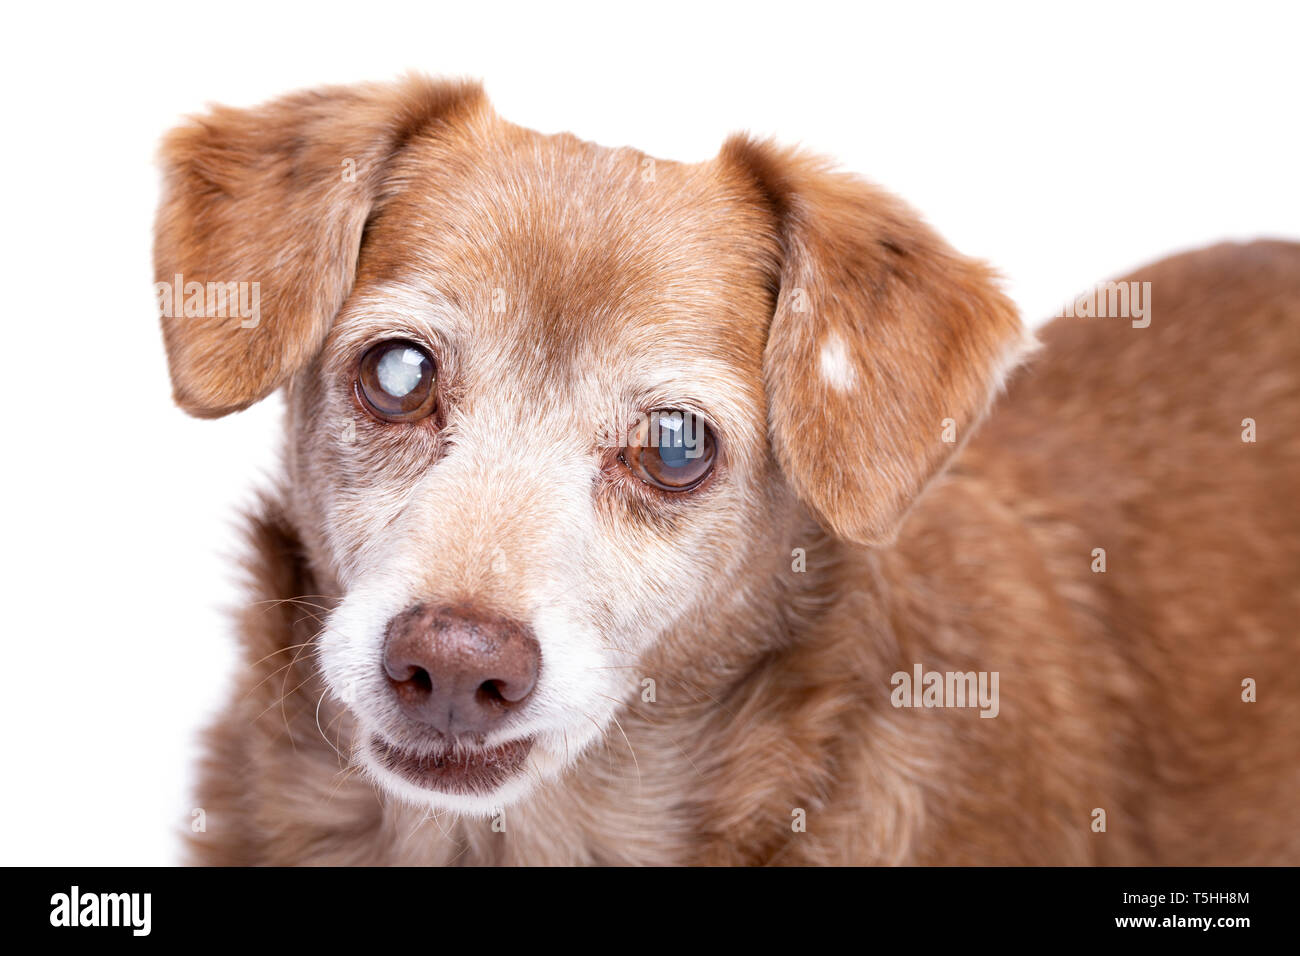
point(407, 675)
point(490, 692)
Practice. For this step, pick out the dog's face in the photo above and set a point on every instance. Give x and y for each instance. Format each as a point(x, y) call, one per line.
point(554, 303)
point(555, 406)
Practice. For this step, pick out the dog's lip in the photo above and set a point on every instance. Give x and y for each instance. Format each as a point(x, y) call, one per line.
point(458, 768)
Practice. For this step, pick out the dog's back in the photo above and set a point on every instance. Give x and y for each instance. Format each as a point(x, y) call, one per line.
point(1154, 472)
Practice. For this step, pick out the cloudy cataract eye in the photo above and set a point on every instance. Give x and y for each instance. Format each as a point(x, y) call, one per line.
point(399, 371)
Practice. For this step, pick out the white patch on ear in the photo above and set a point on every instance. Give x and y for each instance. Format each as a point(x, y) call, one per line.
point(837, 367)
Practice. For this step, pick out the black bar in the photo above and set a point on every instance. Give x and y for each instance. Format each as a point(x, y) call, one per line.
point(658, 907)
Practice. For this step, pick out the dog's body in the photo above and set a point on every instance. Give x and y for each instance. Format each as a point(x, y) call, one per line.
point(759, 725)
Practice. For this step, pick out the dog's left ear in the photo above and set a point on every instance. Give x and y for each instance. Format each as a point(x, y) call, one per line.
point(886, 346)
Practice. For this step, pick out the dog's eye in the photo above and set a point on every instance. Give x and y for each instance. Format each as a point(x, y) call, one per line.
point(671, 450)
point(396, 382)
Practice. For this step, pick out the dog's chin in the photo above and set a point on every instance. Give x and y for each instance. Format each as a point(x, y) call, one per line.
point(475, 780)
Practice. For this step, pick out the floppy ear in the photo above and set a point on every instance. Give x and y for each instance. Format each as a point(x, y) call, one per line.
point(884, 342)
point(260, 225)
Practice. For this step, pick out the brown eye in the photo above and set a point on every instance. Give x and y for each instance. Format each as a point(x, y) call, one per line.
point(396, 382)
point(671, 450)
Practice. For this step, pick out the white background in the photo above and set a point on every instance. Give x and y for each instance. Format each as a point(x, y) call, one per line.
point(1062, 145)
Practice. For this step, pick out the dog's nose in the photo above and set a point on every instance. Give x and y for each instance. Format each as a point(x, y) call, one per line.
point(459, 670)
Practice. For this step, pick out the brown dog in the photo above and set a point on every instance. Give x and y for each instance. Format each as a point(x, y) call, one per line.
point(603, 536)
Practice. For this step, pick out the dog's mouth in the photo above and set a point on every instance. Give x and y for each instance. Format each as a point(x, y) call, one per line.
point(454, 768)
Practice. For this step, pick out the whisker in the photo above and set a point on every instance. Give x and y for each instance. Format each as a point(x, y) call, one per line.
point(283, 709)
point(601, 734)
point(346, 773)
point(281, 650)
point(320, 701)
point(632, 750)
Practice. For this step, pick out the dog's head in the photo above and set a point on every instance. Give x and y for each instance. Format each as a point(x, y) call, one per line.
point(552, 405)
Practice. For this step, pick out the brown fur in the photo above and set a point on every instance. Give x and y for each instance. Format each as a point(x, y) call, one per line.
point(1119, 690)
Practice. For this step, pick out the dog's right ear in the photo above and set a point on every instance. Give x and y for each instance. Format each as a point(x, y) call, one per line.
point(260, 225)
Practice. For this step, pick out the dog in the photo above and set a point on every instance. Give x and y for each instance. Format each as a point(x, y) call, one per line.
point(635, 512)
